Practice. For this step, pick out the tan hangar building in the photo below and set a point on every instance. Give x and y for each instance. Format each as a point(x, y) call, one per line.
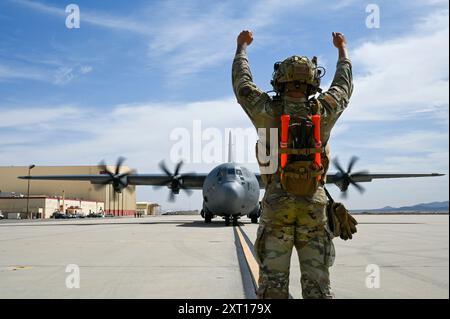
point(15, 207)
point(148, 208)
point(69, 192)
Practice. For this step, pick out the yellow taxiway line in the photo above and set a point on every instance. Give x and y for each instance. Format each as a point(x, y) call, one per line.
point(249, 258)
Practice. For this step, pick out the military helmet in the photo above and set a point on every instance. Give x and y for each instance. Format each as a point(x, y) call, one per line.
point(301, 71)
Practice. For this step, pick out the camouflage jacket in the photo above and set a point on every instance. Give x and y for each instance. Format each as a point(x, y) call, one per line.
point(263, 111)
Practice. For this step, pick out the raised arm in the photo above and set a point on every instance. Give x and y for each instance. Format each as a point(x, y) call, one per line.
point(343, 78)
point(248, 95)
point(336, 99)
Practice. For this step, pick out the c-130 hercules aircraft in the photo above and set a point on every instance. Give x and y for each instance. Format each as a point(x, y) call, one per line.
point(229, 190)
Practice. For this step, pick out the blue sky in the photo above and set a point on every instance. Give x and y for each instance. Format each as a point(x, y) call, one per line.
point(135, 71)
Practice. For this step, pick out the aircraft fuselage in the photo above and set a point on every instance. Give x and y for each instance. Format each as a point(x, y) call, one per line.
point(230, 190)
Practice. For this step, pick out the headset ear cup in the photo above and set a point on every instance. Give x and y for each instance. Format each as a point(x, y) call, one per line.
point(276, 66)
point(274, 82)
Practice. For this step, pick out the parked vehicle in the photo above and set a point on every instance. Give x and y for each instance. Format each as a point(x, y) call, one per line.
point(95, 215)
point(59, 215)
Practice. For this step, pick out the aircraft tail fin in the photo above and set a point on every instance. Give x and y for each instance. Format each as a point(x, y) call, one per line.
point(230, 148)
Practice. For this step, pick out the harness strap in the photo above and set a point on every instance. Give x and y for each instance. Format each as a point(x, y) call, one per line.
point(302, 151)
point(316, 106)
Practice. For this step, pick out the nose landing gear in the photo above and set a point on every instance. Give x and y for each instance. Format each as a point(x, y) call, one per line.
point(231, 219)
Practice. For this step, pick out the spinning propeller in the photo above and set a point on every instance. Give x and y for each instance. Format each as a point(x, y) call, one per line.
point(345, 178)
point(118, 180)
point(174, 180)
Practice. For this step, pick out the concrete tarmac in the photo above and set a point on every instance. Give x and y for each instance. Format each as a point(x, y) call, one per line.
point(181, 257)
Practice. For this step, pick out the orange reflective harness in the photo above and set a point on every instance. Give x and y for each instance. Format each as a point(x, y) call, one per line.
point(300, 150)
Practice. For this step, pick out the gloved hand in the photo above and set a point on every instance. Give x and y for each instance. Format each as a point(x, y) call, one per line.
point(245, 37)
point(346, 224)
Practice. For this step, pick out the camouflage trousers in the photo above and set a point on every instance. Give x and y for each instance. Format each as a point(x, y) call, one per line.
point(289, 221)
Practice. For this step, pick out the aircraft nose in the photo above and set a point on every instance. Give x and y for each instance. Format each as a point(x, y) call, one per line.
point(232, 191)
point(232, 196)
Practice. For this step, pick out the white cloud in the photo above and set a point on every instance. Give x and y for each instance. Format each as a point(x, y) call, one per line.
point(113, 133)
point(186, 37)
point(411, 141)
point(8, 72)
point(26, 118)
point(61, 75)
point(190, 43)
point(403, 76)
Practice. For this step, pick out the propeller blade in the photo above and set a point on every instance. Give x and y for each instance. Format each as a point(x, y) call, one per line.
point(177, 168)
point(174, 181)
point(353, 160)
point(117, 179)
point(163, 167)
point(104, 169)
point(133, 171)
point(102, 165)
point(338, 166)
point(187, 191)
point(344, 194)
point(119, 163)
point(345, 178)
point(358, 187)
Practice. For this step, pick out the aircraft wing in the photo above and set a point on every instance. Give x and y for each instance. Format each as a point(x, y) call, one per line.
point(193, 181)
point(364, 177)
point(367, 177)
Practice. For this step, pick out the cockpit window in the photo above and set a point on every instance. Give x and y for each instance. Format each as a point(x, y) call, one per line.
point(239, 172)
point(246, 172)
point(231, 171)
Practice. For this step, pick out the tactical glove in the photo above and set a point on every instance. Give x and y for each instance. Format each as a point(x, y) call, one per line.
point(345, 225)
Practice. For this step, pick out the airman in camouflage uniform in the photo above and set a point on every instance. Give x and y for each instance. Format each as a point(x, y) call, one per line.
point(289, 220)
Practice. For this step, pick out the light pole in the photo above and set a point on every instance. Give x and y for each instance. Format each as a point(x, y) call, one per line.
point(28, 192)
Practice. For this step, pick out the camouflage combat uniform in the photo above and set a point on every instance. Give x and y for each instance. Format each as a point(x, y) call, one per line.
point(289, 220)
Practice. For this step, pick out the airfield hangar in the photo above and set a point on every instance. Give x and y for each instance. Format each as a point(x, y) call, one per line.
point(70, 197)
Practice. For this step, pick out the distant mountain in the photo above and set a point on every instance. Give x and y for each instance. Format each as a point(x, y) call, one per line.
point(422, 207)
